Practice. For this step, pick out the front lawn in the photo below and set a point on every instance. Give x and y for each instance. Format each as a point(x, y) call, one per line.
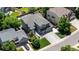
point(42, 41)
point(72, 29)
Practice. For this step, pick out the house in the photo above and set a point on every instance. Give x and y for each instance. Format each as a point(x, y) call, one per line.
point(8, 34)
point(5, 9)
point(54, 14)
point(37, 22)
point(42, 25)
point(71, 8)
point(28, 24)
point(12, 35)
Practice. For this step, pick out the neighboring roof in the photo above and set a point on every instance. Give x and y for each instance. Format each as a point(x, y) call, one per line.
point(60, 11)
point(5, 9)
point(8, 34)
point(21, 34)
point(28, 19)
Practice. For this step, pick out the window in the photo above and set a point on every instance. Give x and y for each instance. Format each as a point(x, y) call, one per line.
point(53, 17)
point(48, 15)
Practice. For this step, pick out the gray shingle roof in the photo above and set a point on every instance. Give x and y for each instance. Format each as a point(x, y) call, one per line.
point(37, 18)
point(60, 11)
point(8, 34)
point(28, 19)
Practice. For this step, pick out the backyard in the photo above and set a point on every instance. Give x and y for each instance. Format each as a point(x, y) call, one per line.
point(26, 10)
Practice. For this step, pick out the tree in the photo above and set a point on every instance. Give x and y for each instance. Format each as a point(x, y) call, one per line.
point(8, 46)
point(44, 11)
point(2, 15)
point(64, 25)
point(68, 48)
point(32, 10)
point(36, 44)
point(77, 13)
point(11, 22)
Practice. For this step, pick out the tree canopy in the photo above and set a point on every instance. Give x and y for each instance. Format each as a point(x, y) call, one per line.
point(8, 46)
point(64, 25)
point(77, 13)
point(10, 22)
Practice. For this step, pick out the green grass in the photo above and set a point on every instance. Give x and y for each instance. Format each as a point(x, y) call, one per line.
point(44, 42)
point(26, 10)
point(72, 28)
point(20, 49)
point(15, 14)
point(77, 46)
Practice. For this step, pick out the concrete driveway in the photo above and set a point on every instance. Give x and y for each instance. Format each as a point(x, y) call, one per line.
point(52, 37)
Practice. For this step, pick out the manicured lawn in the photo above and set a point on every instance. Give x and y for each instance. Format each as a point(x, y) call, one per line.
point(44, 42)
point(26, 10)
point(20, 49)
point(72, 29)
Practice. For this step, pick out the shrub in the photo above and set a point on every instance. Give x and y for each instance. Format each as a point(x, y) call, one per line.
point(36, 44)
point(8, 46)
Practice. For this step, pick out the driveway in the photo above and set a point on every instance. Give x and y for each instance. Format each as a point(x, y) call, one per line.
point(52, 37)
point(75, 23)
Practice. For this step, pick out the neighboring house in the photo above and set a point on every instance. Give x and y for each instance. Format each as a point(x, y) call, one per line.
point(5, 9)
point(54, 14)
point(71, 8)
point(37, 22)
point(12, 35)
point(28, 24)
